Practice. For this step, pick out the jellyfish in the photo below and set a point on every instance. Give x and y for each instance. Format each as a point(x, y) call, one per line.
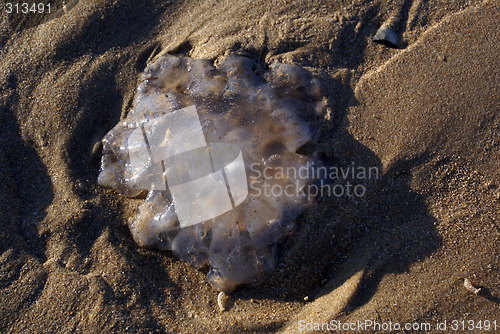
point(214, 150)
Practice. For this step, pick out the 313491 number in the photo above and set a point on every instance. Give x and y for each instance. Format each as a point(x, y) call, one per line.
point(26, 8)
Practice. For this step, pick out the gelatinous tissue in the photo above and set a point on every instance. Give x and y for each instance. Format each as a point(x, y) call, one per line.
point(215, 148)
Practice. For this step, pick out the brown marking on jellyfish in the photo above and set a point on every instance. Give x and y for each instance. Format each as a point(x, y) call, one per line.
point(150, 79)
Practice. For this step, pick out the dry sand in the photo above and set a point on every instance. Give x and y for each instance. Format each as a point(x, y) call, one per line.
point(427, 114)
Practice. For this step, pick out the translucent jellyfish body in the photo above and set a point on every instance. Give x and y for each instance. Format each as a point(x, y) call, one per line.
point(215, 150)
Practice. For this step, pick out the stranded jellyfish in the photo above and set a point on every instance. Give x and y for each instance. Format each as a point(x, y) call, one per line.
point(214, 150)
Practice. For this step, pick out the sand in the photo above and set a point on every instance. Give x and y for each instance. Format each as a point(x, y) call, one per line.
point(427, 115)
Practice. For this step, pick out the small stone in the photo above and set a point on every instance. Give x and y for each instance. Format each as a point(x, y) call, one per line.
point(386, 37)
point(468, 285)
point(442, 57)
point(220, 301)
